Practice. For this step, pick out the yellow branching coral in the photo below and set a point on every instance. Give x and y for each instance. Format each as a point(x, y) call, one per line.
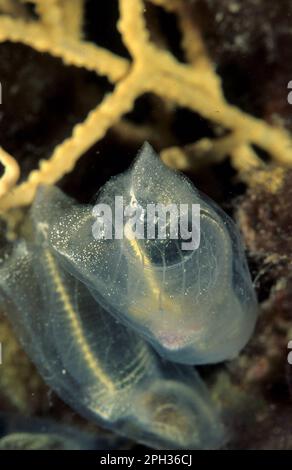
point(195, 85)
point(11, 172)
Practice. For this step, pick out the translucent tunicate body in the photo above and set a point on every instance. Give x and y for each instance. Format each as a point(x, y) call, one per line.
point(194, 306)
point(19, 432)
point(102, 369)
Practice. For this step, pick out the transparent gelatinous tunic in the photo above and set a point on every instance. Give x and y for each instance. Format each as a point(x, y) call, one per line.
point(194, 306)
point(83, 305)
point(102, 369)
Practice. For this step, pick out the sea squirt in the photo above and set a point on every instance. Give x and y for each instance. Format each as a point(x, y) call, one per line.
point(21, 432)
point(194, 306)
point(98, 366)
point(89, 309)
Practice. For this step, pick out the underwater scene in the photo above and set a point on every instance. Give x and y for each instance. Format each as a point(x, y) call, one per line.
point(145, 225)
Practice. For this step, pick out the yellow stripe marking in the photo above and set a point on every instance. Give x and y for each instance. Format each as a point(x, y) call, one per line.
point(90, 359)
